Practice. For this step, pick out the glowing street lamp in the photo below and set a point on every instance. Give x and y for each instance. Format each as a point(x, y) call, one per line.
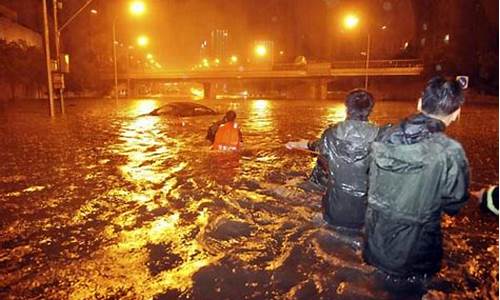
point(142, 41)
point(234, 59)
point(137, 8)
point(205, 63)
point(149, 56)
point(260, 50)
point(351, 21)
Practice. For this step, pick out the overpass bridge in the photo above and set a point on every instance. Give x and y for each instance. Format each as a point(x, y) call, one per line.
point(318, 73)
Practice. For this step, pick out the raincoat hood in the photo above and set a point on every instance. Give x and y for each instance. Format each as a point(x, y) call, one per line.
point(413, 130)
point(351, 140)
point(390, 156)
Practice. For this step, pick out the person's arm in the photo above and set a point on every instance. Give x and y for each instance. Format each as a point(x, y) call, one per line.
point(456, 184)
point(301, 144)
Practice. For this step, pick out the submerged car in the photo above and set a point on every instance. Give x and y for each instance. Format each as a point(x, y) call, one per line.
point(183, 109)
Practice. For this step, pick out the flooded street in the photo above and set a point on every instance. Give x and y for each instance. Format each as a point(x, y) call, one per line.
point(102, 204)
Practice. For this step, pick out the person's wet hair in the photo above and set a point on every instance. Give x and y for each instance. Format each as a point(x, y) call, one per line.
point(230, 116)
point(442, 97)
point(359, 104)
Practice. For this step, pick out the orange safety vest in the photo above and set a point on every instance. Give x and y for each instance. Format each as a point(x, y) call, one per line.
point(227, 137)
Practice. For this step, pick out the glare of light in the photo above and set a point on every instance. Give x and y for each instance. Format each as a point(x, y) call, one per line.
point(336, 113)
point(406, 45)
point(260, 105)
point(261, 116)
point(205, 62)
point(158, 65)
point(383, 27)
point(93, 11)
point(216, 61)
point(234, 59)
point(260, 50)
point(142, 41)
point(351, 21)
point(447, 38)
point(145, 106)
point(137, 8)
point(282, 52)
point(197, 93)
point(149, 56)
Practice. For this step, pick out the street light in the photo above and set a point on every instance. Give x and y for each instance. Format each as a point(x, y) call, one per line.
point(142, 41)
point(260, 50)
point(136, 8)
point(350, 22)
point(234, 59)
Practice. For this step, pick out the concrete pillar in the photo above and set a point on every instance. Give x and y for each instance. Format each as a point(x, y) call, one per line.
point(321, 89)
point(133, 89)
point(208, 91)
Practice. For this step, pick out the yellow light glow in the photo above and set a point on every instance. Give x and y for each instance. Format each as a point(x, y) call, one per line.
point(234, 59)
point(261, 116)
point(351, 21)
point(142, 41)
point(205, 62)
point(197, 93)
point(216, 61)
point(260, 50)
point(137, 7)
point(149, 56)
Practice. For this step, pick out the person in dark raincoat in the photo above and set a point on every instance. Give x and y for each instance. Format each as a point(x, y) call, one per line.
point(417, 172)
point(344, 148)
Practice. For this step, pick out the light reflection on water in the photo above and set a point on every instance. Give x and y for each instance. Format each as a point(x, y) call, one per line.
point(336, 113)
point(260, 119)
point(153, 214)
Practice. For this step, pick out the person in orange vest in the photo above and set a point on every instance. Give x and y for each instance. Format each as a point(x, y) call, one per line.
point(228, 137)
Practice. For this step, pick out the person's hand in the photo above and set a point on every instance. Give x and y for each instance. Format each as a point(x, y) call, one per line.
point(302, 144)
point(478, 195)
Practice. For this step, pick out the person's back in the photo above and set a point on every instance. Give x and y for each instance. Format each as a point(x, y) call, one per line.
point(228, 136)
point(416, 173)
point(346, 146)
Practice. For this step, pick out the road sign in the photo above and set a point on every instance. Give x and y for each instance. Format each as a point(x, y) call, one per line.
point(58, 79)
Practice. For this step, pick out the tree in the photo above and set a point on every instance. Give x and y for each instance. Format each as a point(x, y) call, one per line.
point(20, 65)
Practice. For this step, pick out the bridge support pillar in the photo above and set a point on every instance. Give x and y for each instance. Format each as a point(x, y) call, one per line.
point(208, 91)
point(321, 89)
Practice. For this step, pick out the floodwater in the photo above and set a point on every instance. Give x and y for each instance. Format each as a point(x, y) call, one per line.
point(101, 204)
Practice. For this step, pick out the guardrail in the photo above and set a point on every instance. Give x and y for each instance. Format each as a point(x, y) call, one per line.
point(339, 68)
point(392, 63)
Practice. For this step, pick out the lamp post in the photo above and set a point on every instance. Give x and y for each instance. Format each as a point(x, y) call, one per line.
point(351, 21)
point(136, 8)
point(47, 58)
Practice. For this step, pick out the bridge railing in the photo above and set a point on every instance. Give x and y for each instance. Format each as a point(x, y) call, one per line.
point(391, 63)
point(312, 68)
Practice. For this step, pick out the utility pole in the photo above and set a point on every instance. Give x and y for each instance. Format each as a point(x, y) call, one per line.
point(368, 46)
point(57, 39)
point(114, 59)
point(47, 57)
